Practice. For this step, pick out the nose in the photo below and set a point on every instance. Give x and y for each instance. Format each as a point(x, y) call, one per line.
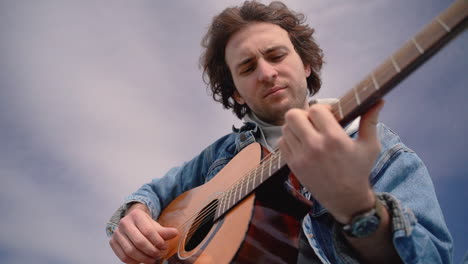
point(266, 71)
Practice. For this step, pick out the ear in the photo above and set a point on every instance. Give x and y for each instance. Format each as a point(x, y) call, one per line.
point(238, 97)
point(307, 70)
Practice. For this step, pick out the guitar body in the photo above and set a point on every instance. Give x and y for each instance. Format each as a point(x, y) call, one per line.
point(262, 228)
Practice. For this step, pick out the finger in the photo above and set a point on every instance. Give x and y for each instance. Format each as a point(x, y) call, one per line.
point(368, 123)
point(168, 232)
point(300, 124)
point(131, 250)
point(139, 235)
point(323, 119)
point(291, 139)
point(284, 148)
point(119, 252)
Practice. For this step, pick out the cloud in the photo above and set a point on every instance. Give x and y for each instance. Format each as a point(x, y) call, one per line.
point(42, 219)
point(97, 99)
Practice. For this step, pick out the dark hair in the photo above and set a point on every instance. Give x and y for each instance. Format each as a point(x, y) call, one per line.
point(233, 19)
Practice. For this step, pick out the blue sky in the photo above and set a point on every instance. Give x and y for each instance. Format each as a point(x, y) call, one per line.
point(97, 99)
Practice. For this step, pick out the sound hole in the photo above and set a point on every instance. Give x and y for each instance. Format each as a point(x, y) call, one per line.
point(201, 226)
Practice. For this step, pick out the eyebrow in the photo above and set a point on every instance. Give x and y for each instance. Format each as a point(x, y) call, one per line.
point(274, 48)
point(271, 49)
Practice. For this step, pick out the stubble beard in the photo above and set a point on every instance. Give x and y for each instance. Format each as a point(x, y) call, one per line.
point(276, 116)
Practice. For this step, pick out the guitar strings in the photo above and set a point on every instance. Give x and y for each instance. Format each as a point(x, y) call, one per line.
point(210, 209)
point(202, 218)
point(274, 157)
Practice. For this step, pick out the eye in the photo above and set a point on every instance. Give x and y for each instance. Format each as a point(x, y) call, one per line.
point(247, 69)
point(277, 57)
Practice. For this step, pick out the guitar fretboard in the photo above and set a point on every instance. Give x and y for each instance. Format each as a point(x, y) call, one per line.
point(361, 97)
point(270, 165)
point(404, 61)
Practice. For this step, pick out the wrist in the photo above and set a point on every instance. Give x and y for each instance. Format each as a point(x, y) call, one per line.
point(365, 223)
point(356, 206)
point(137, 206)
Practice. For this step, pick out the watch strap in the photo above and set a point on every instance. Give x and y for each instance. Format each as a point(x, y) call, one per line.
point(365, 223)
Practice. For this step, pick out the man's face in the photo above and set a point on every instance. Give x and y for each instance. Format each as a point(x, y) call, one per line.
point(267, 71)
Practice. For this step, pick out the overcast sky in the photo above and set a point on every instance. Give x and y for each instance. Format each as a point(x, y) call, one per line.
point(97, 98)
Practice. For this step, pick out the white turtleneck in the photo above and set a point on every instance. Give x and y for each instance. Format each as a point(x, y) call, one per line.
point(270, 134)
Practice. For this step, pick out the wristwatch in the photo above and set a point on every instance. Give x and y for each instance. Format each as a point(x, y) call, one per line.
point(365, 224)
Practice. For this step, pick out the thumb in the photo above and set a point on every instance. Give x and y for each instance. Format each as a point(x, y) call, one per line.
point(368, 123)
point(168, 232)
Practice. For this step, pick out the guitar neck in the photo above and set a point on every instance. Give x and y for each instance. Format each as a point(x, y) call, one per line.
point(366, 93)
point(400, 64)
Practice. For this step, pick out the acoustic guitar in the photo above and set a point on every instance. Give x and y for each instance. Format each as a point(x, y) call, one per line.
point(244, 214)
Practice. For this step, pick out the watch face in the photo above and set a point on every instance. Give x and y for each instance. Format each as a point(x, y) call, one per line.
point(365, 226)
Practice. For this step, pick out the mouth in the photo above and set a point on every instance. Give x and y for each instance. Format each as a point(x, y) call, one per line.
point(274, 90)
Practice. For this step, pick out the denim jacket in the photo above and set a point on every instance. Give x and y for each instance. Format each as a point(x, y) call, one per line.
point(399, 178)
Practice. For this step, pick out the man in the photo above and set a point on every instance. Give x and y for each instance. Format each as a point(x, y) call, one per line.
point(263, 63)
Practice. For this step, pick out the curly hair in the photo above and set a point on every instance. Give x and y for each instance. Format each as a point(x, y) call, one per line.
point(233, 19)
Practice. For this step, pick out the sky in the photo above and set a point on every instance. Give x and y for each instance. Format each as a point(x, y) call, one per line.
point(97, 98)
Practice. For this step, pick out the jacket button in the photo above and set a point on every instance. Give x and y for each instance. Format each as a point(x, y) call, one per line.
point(243, 137)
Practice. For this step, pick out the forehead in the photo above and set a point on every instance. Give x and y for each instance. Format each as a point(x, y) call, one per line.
point(255, 38)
